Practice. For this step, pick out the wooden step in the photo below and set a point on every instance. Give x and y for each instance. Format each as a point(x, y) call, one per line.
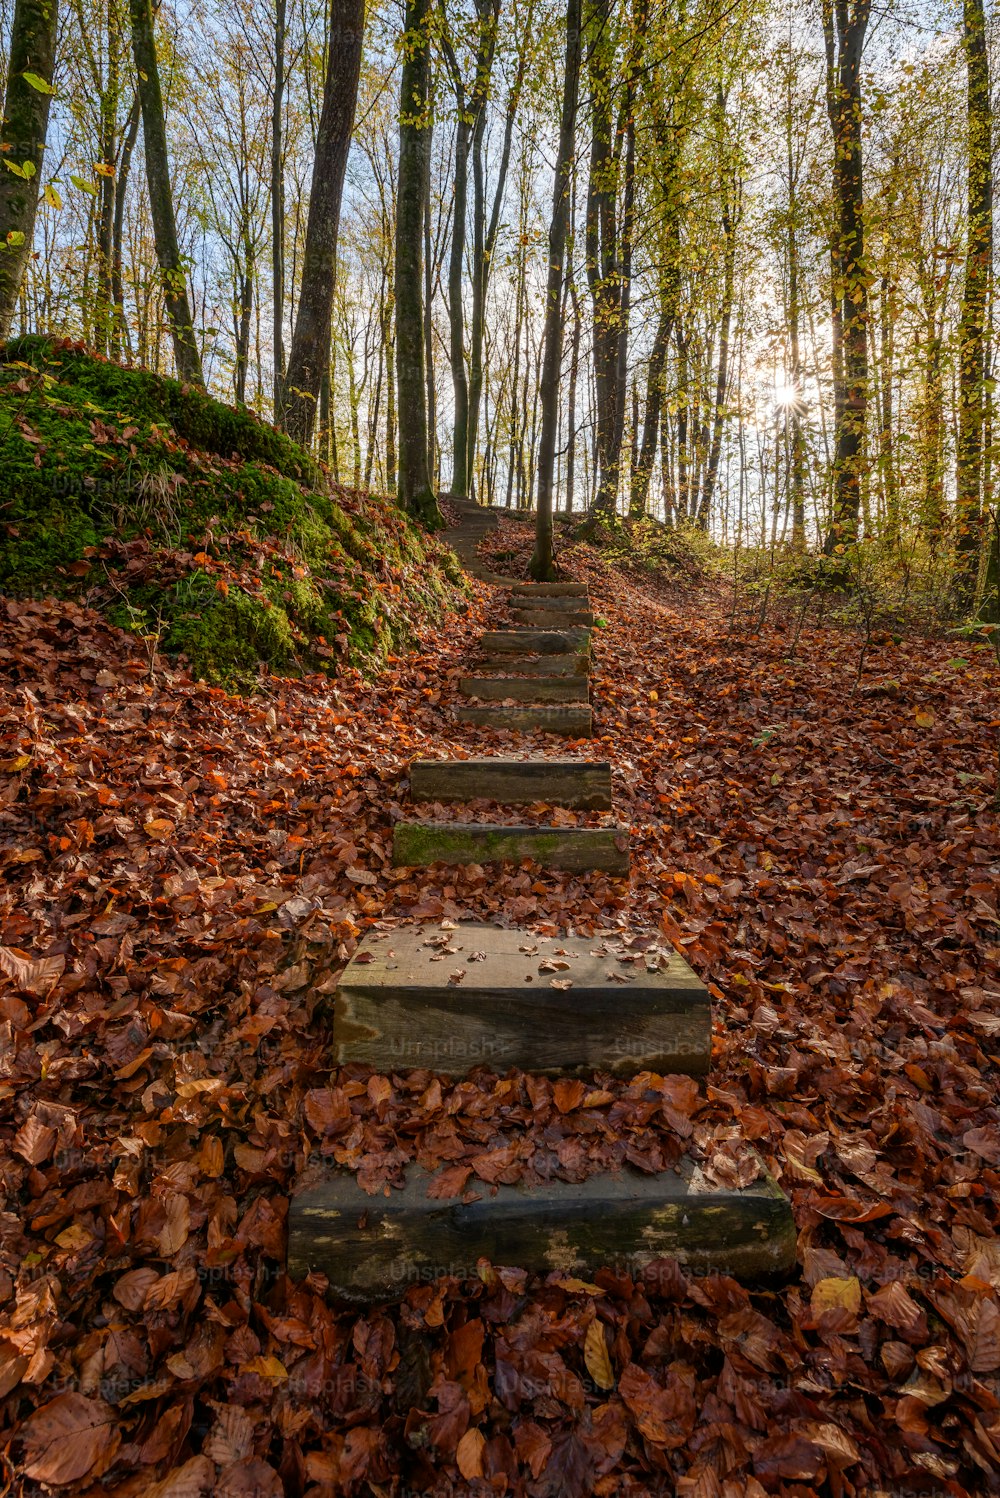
point(584, 785)
point(545, 665)
point(476, 995)
point(551, 618)
point(536, 641)
point(573, 722)
point(551, 590)
point(373, 1248)
point(561, 604)
point(417, 845)
point(520, 689)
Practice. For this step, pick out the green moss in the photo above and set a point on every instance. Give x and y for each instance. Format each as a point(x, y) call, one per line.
point(196, 522)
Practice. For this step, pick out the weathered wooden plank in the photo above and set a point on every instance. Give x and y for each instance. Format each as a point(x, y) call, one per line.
point(561, 603)
point(571, 722)
point(582, 784)
point(536, 641)
point(543, 665)
point(372, 1248)
point(579, 849)
point(478, 995)
point(521, 689)
point(538, 618)
point(551, 590)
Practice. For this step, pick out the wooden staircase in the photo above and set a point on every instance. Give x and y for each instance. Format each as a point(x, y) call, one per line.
point(456, 997)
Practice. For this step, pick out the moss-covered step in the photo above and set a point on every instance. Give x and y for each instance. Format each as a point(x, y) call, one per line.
point(537, 618)
point(474, 995)
point(543, 665)
point(417, 845)
point(572, 721)
point(373, 1248)
point(521, 689)
point(584, 785)
point(551, 590)
point(536, 641)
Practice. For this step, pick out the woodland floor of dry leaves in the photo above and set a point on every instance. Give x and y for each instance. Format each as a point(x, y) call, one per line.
point(183, 875)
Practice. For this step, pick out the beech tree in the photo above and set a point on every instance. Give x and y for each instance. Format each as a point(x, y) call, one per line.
point(161, 200)
point(22, 141)
point(309, 355)
point(542, 563)
point(414, 484)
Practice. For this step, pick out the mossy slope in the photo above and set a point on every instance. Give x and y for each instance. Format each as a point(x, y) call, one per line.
point(193, 521)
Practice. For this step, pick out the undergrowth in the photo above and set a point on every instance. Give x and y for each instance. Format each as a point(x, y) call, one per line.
point(198, 526)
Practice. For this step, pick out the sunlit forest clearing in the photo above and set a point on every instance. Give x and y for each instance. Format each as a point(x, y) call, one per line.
point(499, 747)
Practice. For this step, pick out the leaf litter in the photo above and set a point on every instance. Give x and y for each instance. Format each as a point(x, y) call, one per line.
point(180, 890)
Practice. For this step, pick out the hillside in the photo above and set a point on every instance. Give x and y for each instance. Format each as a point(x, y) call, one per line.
point(197, 526)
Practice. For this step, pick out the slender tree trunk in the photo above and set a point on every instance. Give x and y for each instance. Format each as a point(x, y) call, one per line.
point(471, 120)
point(603, 271)
point(120, 327)
point(972, 392)
point(309, 355)
point(390, 395)
point(797, 457)
point(173, 276)
point(105, 312)
point(542, 561)
point(429, 368)
point(485, 238)
point(278, 208)
point(22, 140)
point(729, 222)
point(414, 490)
point(456, 312)
point(845, 23)
point(574, 370)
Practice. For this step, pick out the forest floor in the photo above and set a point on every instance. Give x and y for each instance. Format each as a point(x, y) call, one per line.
point(184, 874)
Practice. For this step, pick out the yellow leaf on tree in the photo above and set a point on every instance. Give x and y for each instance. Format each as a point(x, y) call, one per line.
point(596, 1357)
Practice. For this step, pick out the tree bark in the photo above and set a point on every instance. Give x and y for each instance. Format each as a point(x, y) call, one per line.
point(309, 355)
point(22, 141)
point(972, 393)
point(120, 327)
point(542, 561)
point(844, 24)
point(471, 117)
point(173, 276)
point(278, 210)
point(414, 490)
point(484, 244)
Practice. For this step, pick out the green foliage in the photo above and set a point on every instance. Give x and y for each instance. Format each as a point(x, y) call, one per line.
point(649, 546)
point(197, 524)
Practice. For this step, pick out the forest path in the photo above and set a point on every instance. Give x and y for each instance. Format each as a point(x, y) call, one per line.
point(454, 997)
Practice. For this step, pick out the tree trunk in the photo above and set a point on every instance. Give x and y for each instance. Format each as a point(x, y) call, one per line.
point(278, 210)
point(797, 454)
point(22, 141)
point(542, 561)
point(972, 393)
point(309, 355)
point(414, 491)
point(187, 356)
point(484, 240)
point(729, 222)
point(120, 327)
point(603, 271)
point(844, 25)
point(471, 119)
